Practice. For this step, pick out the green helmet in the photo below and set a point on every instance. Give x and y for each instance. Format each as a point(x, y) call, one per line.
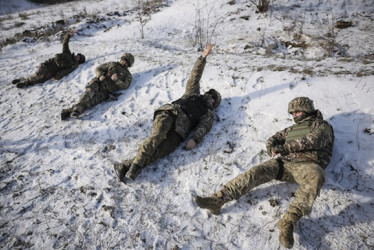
point(301, 104)
point(129, 58)
point(216, 96)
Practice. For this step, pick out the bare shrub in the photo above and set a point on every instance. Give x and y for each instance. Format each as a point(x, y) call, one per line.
point(144, 9)
point(203, 27)
point(262, 5)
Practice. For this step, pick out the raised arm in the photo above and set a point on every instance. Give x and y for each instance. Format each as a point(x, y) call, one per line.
point(65, 42)
point(193, 83)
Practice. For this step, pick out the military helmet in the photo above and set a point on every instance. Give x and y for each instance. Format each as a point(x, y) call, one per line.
point(129, 58)
point(301, 104)
point(216, 96)
point(82, 58)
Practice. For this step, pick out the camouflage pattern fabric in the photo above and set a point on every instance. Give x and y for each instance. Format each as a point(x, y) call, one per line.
point(171, 125)
point(316, 145)
point(162, 141)
point(57, 67)
point(98, 91)
point(308, 175)
point(109, 69)
point(41, 75)
point(183, 123)
point(304, 154)
point(92, 96)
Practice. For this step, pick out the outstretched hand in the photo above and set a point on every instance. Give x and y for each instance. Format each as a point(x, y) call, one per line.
point(72, 31)
point(207, 50)
point(190, 144)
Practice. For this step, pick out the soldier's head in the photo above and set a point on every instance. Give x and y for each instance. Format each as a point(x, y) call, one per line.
point(127, 59)
point(79, 58)
point(300, 108)
point(215, 96)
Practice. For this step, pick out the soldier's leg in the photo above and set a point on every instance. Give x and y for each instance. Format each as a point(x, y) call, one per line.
point(162, 124)
point(92, 96)
point(310, 177)
point(167, 146)
point(254, 177)
point(41, 75)
point(240, 185)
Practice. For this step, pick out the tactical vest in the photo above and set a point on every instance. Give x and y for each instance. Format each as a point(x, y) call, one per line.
point(194, 107)
point(298, 131)
point(63, 60)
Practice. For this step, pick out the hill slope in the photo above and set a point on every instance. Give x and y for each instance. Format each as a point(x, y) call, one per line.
point(58, 187)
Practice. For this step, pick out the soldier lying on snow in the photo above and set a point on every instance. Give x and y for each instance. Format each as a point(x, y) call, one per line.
point(172, 123)
point(110, 77)
point(305, 150)
point(54, 68)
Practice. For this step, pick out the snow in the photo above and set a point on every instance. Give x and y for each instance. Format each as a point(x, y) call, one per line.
point(58, 187)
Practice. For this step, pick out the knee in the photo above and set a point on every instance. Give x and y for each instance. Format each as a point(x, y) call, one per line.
point(314, 179)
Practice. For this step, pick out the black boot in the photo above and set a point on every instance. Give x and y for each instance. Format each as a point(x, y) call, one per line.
point(21, 85)
point(134, 171)
point(121, 169)
point(75, 114)
point(65, 113)
point(15, 81)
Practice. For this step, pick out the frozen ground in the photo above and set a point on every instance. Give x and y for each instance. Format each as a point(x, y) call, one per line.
point(58, 188)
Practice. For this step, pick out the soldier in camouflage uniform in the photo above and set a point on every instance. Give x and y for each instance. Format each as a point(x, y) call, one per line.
point(305, 150)
point(173, 122)
point(55, 68)
point(110, 77)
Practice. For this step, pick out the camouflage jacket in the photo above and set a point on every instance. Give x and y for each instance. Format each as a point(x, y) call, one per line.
point(182, 123)
point(124, 77)
point(314, 144)
point(63, 63)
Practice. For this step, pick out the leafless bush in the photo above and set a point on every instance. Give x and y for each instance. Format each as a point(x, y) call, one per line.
point(331, 35)
point(262, 5)
point(203, 29)
point(144, 9)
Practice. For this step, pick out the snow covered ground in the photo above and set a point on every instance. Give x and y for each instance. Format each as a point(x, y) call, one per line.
point(58, 188)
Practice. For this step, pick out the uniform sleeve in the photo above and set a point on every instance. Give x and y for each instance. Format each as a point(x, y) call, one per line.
point(320, 137)
point(275, 143)
point(203, 127)
point(102, 70)
point(60, 74)
point(65, 44)
point(193, 83)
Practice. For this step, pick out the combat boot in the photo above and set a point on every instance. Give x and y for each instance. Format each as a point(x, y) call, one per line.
point(21, 85)
point(65, 113)
point(75, 114)
point(212, 203)
point(286, 228)
point(15, 81)
point(134, 171)
point(121, 169)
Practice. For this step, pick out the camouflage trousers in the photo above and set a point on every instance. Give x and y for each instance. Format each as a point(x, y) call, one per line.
point(93, 95)
point(41, 75)
point(309, 175)
point(162, 141)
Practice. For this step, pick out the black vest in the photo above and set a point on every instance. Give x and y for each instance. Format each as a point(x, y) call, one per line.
point(194, 107)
